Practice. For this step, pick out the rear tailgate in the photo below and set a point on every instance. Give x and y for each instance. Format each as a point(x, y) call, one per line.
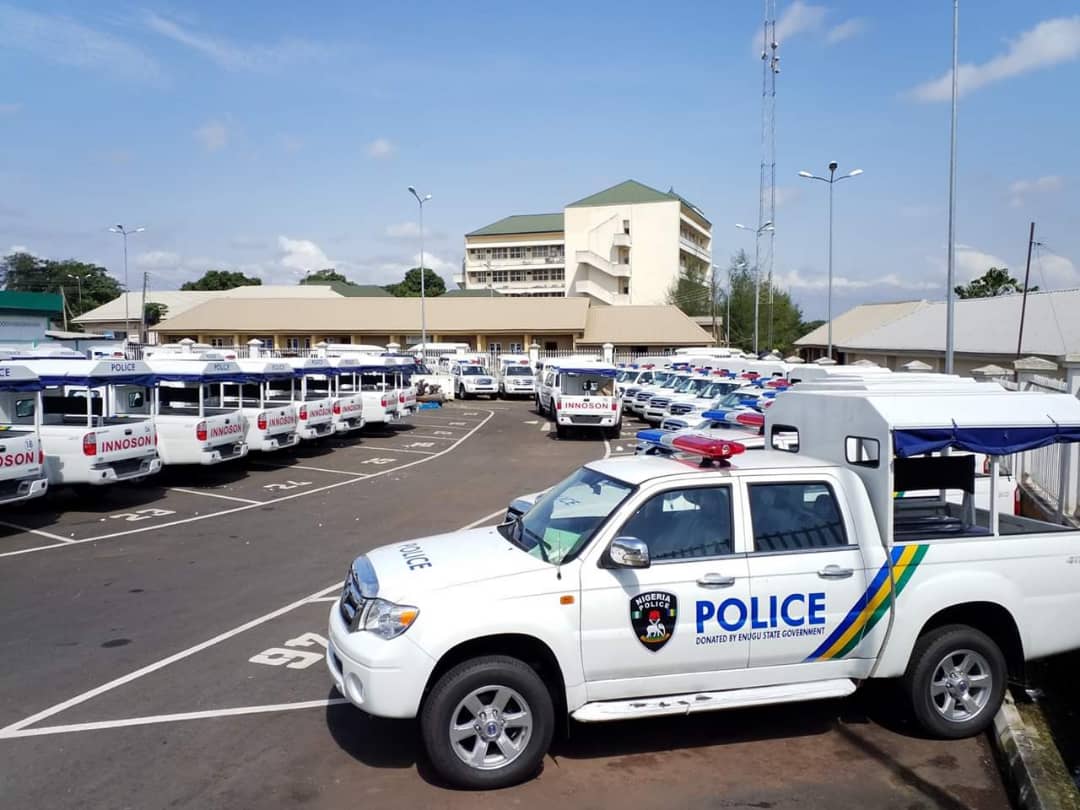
point(596, 406)
point(222, 429)
point(114, 443)
point(349, 407)
point(316, 411)
point(279, 419)
point(20, 454)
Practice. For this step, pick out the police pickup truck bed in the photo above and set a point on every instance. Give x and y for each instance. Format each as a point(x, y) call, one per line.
point(713, 579)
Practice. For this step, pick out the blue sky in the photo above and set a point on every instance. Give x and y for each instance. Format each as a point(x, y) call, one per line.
point(269, 138)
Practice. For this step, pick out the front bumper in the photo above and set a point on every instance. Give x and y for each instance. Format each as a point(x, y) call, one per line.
point(384, 678)
point(482, 389)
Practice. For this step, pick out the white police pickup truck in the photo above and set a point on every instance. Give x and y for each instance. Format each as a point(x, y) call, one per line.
point(22, 462)
point(648, 586)
point(581, 394)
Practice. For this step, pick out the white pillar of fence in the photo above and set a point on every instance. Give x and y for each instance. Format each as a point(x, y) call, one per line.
point(609, 352)
point(254, 347)
point(534, 354)
point(990, 373)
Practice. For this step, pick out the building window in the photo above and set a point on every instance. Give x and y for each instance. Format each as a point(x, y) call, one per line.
point(495, 347)
point(499, 253)
point(624, 286)
point(551, 346)
point(516, 348)
point(626, 226)
point(558, 275)
point(517, 253)
point(217, 342)
point(501, 276)
point(297, 343)
point(517, 275)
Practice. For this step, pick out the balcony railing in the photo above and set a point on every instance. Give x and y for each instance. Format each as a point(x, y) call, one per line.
point(600, 263)
point(695, 249)
point(537, 261)
point(621, 239)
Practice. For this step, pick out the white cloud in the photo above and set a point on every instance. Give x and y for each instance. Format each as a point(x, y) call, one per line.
point(381, 148)
point(60, 39)
point(435, 263)
point(237, 56)
point(18, 249)
point(1053, 272)
point(845, 30)
point(403, 230)
point(213, 135)
point(796, 280)
point(302, 255)
point(10, 109)
point(972, 263)
point(157, 260)
point(1022, 188)
point(797, 18)
point(1049, 43)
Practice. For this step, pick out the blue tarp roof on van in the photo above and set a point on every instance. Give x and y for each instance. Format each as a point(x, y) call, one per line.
point(993, 441)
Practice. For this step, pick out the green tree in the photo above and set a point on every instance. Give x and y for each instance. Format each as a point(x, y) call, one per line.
point(85, 286)
point(221, 280)
point(154, 313)
point(995, 281)
point(776, 303)
point(690, 291)
point(409, 287)
point(324, 276)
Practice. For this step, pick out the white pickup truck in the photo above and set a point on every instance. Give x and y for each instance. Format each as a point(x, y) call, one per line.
point(473, 380)
point(193, 424)
point(85, 439)
point(581, 394)
point(646, 586)
point(348, 395)
point(309, 391)
point(271, 423)
point(22, 463)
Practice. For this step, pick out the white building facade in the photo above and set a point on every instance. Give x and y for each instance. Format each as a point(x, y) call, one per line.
point(624, 245)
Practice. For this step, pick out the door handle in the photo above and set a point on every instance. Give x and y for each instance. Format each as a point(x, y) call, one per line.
point(715, 581)
point(835, 572)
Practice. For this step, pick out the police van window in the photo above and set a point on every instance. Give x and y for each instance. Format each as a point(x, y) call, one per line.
point(862, 451)
point(684, 523)
point(784, 437)
point(795, 517)
point(24, 408)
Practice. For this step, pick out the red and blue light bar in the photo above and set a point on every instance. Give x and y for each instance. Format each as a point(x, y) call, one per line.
point(706, 447)
point(750, 419)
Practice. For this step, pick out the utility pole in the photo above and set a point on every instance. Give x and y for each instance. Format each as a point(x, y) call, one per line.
point(712, 305)
point(64, 306)
point(950, 281)
point(142, 308)
point(1027, 278)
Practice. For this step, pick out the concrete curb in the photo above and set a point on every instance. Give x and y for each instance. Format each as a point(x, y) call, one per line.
point(1033, 768)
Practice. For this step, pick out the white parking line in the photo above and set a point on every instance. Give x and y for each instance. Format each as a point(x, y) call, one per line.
point(38, 532)
point(19, 728)
point(212, 495)
point(426, 436)
point(440, 425)
point(66, 543)
point(381, 449)
point(272, 466)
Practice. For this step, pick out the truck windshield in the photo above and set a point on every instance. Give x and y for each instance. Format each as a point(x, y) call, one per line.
point(473, 371)
point(518, 371)
point(558, 527)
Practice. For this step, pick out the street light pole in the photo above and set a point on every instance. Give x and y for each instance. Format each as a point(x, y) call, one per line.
point(832, 180)
point(423, 302)
point(950, 295)
point(766, 227)
point(124, 232)
point(78, 282)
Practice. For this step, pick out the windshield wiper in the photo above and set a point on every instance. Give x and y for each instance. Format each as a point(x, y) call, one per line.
point(540, 542)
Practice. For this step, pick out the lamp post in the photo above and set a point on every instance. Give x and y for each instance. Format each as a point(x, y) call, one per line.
point(124, 232)
point(423, 304)
point(766, 227)
point(832, 180)
point(78, 282)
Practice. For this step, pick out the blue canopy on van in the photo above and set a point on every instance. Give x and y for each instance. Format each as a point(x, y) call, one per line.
point(592, 372)
point(230, 377)
point(993, 441)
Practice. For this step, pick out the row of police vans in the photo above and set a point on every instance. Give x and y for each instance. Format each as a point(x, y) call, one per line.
point(66, 419)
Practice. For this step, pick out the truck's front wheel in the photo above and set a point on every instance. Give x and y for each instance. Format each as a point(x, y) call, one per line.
point(955, 681)
point(487, 723)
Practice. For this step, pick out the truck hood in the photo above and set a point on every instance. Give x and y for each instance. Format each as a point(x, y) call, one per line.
point(407, 570)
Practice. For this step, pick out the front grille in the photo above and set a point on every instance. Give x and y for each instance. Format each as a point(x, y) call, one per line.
point(643, 397)
point(659, 404)
point(672, 424)
point(585, 419)
point(352, 603)
point(680, 408)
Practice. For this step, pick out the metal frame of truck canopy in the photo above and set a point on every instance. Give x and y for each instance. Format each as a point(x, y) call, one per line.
point(18, 379)
point(918, 420)
point(198, 370)
point(262, 371)
point(61, 372)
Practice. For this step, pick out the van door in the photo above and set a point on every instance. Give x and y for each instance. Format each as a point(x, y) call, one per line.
point(808, 578)
point(668, 628)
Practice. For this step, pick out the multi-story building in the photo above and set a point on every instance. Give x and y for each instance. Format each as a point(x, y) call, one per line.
point(623, 245)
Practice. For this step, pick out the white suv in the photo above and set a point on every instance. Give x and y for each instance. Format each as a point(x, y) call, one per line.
point(472, 380)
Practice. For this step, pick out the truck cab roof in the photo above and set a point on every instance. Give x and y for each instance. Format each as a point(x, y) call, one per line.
point(636, 470)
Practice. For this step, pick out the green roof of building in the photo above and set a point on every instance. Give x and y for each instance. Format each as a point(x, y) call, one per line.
point(522, 223)
point(630, 192)
point(45, 303)
point(350, 290)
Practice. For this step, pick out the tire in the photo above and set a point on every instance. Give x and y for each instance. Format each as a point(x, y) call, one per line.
point(614, 432)
point(489, 679)
point(561, 430)
point(945, 662)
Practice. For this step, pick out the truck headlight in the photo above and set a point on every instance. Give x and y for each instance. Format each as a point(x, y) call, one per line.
point(388, 620)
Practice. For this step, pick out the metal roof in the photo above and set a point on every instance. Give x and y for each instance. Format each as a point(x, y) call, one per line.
point(522, 223)
point(983, 326)
point(626, 192)
point(45, 303)
point(858, 321)
point(643, 325)
point(179, 301)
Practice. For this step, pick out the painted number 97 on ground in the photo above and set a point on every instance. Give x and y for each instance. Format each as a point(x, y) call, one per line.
point(293, 658)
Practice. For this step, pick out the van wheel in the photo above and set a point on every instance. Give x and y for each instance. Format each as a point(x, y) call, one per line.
point(614, 432)
point(955, 681)
point(487, 723)
point(561, 431)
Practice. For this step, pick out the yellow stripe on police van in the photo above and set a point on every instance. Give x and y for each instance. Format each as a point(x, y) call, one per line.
point(871, 606)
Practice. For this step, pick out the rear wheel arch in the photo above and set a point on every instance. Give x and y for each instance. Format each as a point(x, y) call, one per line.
point(990, 618)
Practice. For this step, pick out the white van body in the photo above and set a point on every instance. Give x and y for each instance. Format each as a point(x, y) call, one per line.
point(515, 376)
point(194, 425)
point(348, 402)
point(582, 394)
point(22, 465)
point(310, 391)
point(473, 380)
point(373, 376)
point(405, 392)
point(271, 423)
point(86, 440)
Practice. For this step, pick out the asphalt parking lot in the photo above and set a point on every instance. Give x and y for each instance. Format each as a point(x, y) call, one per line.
point(163, 647)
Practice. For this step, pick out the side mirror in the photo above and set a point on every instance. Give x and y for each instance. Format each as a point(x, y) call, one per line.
point(629, 552)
